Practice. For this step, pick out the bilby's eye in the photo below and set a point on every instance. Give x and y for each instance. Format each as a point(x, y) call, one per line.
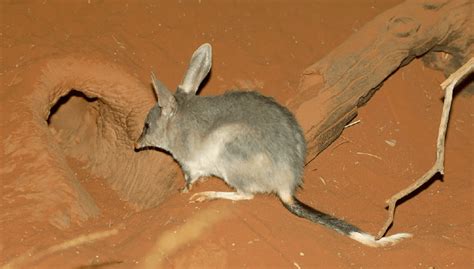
point(145, 128)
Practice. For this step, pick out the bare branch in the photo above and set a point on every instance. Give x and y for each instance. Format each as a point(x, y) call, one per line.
point(448, 85)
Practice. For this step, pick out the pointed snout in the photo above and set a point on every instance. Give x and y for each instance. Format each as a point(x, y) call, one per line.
point(138, 144)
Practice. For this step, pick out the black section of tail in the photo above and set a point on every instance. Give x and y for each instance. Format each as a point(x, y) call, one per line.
point(304, 211)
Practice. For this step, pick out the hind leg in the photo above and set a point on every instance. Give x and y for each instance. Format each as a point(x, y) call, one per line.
point(211, 195)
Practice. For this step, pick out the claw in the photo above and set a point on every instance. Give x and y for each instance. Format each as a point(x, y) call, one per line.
point(199, 197)
point(186, 188)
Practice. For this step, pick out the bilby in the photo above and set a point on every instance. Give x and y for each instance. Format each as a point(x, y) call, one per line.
point(250, 141)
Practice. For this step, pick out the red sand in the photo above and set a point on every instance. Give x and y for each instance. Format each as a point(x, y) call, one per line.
point(263, 45)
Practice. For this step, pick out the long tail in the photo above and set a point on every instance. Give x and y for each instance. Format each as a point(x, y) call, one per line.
point(304, 211)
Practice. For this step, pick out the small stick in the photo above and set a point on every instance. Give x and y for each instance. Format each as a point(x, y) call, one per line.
point(368, 154)
point(352, 123)
point(448, 85)
point(322, 180)
point(80, 240)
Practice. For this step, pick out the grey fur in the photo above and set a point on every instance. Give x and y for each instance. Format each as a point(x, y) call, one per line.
point(261, 148)
point(250, 141)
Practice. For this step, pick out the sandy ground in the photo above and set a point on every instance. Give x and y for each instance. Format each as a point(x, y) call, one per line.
point(265, 46)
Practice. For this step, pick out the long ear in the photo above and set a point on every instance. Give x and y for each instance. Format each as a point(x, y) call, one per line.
point(166, 100)
point(198, 69)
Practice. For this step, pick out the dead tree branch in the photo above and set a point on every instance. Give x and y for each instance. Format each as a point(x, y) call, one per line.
point(332, 89)
point(448, 85)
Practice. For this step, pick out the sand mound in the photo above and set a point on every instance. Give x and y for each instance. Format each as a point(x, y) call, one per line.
point(82, 109)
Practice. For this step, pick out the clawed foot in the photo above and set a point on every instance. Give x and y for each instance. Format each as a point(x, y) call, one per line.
point(201, 197)
point(186, 188)
point(211, 195)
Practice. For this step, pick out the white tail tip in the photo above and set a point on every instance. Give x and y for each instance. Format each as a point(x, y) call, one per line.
point(369, 240)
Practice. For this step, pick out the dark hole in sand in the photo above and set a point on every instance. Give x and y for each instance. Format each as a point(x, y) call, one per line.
point(75, 123)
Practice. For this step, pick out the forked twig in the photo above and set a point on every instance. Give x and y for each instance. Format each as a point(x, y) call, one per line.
point(448, 85)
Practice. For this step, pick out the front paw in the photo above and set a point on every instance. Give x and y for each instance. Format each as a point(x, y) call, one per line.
point(186, 188)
